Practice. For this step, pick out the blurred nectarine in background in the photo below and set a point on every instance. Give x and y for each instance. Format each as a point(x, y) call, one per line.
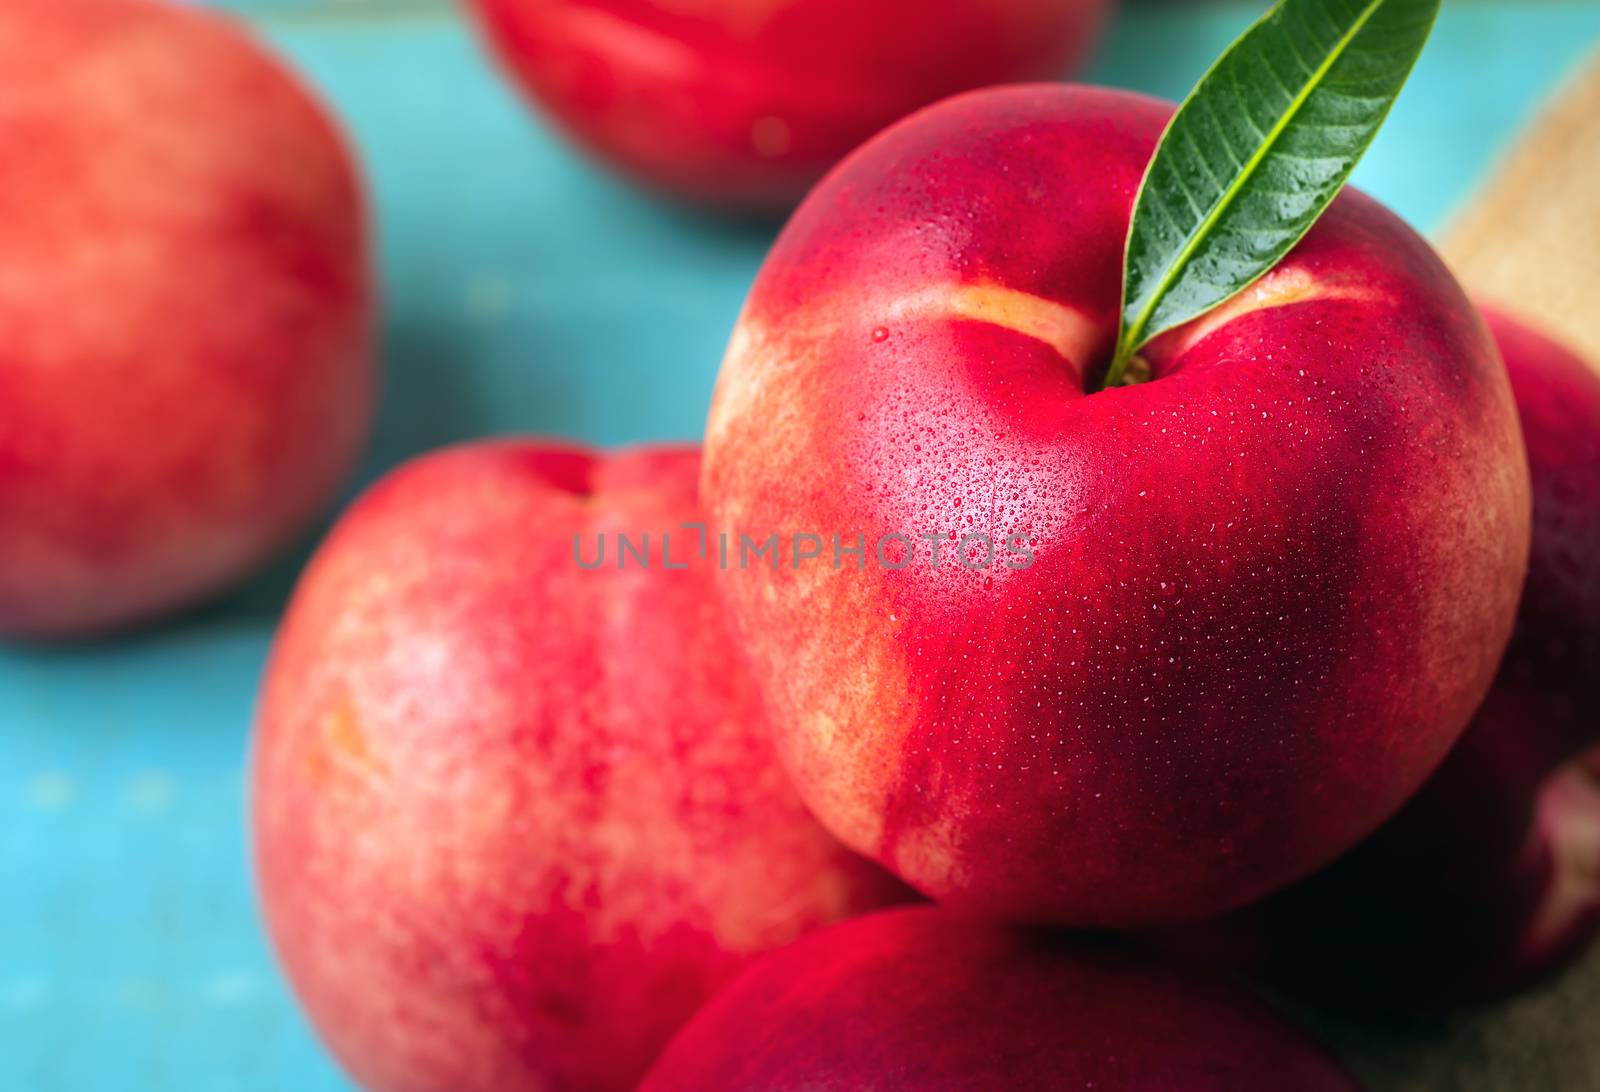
point(186, 311)
point(742, 104)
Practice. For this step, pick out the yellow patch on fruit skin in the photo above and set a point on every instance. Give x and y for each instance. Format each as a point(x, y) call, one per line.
point(1283, 286)
point(1574, 840)
point(739, 382)
point(341, 743)
point(758, 353)
point(1067, 330)
point(928, 856)
point(835, 677)
point(751, 918)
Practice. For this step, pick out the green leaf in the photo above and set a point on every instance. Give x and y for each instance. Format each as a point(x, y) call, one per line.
point(1257, 151)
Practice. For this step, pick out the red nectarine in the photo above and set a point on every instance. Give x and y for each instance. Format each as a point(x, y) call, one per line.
point(924, 999)
point(186, 313)
point(516, 819)
point(744, 103)
point(1264, 590)
point(1490, 876)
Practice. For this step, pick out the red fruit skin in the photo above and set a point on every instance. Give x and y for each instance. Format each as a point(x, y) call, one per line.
point(186, 314)
point(516, 820)
point(1269, 587)
point(743, 104)
point(1490, 877)
point(925, 999)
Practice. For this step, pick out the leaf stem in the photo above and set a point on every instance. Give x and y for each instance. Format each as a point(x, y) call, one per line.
point(1119, 364)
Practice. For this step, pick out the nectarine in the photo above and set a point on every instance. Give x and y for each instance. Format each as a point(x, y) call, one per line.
point(923, 999)
point(743, 104)
point(1264, 590)
point(1490, 876)
point(517, 818)
point(186, 311)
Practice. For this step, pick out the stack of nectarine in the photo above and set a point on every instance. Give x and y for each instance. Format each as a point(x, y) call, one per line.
point(570, 766)
point(1187, 642)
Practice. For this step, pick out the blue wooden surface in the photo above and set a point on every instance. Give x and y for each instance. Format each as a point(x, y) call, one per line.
point(526, 292)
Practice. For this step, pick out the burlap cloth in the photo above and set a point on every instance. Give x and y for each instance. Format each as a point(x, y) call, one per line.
point(1531, 237)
